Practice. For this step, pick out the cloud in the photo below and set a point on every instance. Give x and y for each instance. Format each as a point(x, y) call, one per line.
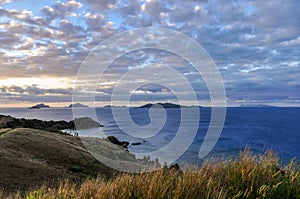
point(101, 5)
point(68, 28)
point(60, 10)
point(4, 1)
point(34, 90)
point(293, 42)
point(34, 94)
point(95, 22)
point(71, 4)
point(254, 44)
point(98, 23)
point(153, 88)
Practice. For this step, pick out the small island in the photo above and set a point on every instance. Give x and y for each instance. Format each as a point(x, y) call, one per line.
point(163, 105)
point(114, 106)
point(256, 105)
point(77, 105)
point(39, 106)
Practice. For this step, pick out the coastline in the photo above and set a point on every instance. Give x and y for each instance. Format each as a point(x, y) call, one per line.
point(30, 158)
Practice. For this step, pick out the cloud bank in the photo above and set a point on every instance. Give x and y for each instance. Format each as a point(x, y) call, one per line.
point(254, 44)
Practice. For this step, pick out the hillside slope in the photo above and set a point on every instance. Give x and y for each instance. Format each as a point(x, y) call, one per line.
point(30, 158)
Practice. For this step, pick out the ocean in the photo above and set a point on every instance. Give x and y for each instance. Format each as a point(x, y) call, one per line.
point(258, 128)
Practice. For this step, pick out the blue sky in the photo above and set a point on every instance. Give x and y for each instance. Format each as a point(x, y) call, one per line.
point(255, 45)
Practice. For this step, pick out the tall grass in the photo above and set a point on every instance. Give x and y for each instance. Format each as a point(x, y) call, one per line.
point(248, 176)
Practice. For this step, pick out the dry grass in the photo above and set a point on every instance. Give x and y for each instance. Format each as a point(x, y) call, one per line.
point(30, 157)
point(248, 176)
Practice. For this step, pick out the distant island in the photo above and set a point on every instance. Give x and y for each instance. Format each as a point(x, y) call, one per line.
point(39, 106)
point(113, 106)
point(77, 105)
point(255, 105)
point(163, 105)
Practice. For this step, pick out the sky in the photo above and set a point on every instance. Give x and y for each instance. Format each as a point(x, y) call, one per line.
point(254, 44)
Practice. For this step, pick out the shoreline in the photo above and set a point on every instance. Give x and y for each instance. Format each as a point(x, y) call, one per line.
point(29, 157)
point(35, 156)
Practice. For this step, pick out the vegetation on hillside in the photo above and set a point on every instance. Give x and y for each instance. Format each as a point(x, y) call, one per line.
point(248, 176)
point(51, 126)
point(30, 157)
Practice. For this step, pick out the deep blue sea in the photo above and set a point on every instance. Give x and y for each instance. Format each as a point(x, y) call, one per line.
point(258, 128)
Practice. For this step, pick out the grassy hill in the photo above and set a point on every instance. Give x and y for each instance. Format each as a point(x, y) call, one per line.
point(30, 157)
